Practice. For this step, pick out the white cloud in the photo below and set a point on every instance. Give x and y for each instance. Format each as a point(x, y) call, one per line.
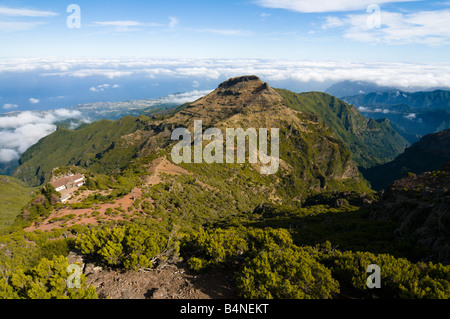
point(424, 27)
point(8, 155)
point(237, 32)
point(103, 87)
point(9, 106)
point(9, 22)
point(186, 97)
point(83, 73)
point(410, 116)
point(118, 23)
point(126, 25)
point(62, 114)
point(308, 6)
point(19, 132)
point(33, 100)
point(12, 26)
point(13, 12)
point(198, 72)
point(121, 26)
point(333, 22)
point(364, 109)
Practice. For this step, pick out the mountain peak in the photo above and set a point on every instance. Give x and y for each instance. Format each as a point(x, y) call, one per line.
point(248, 84)
point(237, 80)
point(245, 94)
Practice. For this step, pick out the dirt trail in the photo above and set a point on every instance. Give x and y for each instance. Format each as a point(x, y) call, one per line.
point(162, 165)
point(119, 209)
point(170, 282)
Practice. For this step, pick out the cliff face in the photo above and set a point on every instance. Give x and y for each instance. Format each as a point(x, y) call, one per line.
point(421, 206)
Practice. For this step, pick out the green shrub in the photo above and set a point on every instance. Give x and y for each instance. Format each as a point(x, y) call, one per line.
point(47, 280)
point(207, 248)
point(130, 246)
point(399, 277)
point(289, 273)
point(271, 265)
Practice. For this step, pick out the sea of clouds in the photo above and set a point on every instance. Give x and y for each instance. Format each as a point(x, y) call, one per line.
point(401, 75)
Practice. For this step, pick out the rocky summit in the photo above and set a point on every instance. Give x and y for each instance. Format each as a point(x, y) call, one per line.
point(240, 95)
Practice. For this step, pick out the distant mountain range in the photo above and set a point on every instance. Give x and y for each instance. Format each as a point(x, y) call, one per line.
point(351, 88)
point(438, 99)
point(412, 114)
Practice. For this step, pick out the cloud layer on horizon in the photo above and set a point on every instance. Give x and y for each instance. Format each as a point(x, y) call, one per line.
point(401, 75)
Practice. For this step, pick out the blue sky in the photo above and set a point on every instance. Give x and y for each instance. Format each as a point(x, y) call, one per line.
point(409, 31)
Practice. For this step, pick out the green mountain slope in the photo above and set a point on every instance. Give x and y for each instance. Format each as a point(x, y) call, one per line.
point(371, 142)
point(311, 157)
point(429, 154)
point(99, 146)
point(14, 195)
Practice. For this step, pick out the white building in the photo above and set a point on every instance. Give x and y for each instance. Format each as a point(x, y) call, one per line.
point(68, 184)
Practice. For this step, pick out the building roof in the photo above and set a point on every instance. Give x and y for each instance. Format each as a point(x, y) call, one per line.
point(65, 180)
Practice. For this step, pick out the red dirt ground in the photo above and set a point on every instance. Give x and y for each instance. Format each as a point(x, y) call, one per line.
point(96, 214)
